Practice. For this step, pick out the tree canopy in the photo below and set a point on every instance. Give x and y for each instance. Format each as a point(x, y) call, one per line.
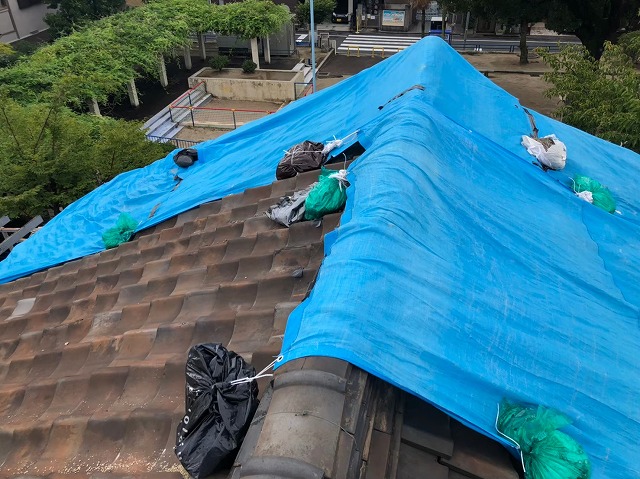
point(51, 156)
point(99, 59)
point(595, 21)
point(322, 10)
point(600, 96)
point(73, 14)
point(592, 21)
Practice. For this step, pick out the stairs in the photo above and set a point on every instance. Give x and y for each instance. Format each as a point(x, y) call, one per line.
point(166, 124)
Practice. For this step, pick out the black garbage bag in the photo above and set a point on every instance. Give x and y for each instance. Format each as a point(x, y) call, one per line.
point(186, 157)
point(305, 156)
point(290, 209)
point(217, 413)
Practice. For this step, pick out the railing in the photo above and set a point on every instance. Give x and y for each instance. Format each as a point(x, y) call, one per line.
point(177, 142)
point(303, 89)
point(187, 99)
point(223, 118)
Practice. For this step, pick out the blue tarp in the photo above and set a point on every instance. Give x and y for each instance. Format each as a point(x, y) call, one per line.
point(460, 272)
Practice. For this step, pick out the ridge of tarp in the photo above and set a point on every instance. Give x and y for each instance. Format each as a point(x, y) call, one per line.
point(464, 274)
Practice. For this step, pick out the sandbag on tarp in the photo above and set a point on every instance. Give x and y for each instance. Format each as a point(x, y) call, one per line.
point(547, 452)
point(186, 157)
point(290, 209)
point(305, 156)
point(593, 192)
point(550, 152)
point(328, 195)
point(217, 413)
point(121, 233)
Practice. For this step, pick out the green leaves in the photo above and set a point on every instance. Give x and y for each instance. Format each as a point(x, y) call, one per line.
point(51, 156)
point(322, 10)
point(601, 96)
point(98, 60)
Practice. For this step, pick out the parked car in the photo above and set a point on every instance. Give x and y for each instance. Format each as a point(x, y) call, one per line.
point(339, 17)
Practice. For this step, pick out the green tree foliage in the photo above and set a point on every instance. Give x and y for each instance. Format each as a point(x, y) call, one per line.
point(5, 49)
point(630, 43)
point(51, 156)
point(250, 18)
point(600, 96)
point(99, 60)
point(594, 21)
point(520, 12)
point(322, 10)
point(73, 14)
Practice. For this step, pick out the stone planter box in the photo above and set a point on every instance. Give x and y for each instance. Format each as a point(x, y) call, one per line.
point(262, 85)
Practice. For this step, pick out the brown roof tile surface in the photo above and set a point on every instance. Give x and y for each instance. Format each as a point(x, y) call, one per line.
point(92, 357)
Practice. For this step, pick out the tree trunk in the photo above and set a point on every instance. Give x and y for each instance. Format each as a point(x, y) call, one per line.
point(524, 51)
point(424, 19)
point(444, 25)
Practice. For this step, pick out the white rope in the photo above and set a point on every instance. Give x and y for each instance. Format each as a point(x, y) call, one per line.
point(510, 439)
point(336, 143)
point(261, 374)
point(341, 176)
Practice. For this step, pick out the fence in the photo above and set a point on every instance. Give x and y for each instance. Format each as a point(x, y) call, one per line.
point(177, 142)
point(303, 89)
point(185, 109)
point(223, 118)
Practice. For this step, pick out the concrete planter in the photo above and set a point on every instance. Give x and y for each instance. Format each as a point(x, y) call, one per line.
point(262, 85)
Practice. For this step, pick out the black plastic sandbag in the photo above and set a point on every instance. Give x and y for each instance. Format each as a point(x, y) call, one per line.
point(305, 156)
point(217, 414)
point(186, 157)
point(290, 209)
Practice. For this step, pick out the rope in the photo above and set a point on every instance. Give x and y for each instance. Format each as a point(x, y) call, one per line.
point(261, 374)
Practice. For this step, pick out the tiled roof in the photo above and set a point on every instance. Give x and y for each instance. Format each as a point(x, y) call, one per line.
point(92, 358)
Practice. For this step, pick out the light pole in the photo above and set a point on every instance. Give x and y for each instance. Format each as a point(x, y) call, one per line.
point(313, 48)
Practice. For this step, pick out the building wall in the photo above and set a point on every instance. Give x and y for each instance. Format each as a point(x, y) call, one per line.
point(28, 19)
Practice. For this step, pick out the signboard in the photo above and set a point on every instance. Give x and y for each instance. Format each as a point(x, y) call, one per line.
point(393, 18)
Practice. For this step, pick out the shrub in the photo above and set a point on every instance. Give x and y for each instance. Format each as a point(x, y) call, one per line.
point(249, 66)
point(219, 62)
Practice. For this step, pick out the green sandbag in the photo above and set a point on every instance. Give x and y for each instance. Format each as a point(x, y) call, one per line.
point(121, 233)
point(548, 453)
point(602, 197)
point(328, 196)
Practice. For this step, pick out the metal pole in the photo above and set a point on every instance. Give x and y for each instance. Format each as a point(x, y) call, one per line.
point(313, 48)
point(466, 29)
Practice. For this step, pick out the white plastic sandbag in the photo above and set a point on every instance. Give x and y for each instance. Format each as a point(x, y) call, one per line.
point(555, 157)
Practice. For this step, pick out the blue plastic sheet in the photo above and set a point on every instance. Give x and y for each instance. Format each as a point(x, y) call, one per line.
point(460, 273)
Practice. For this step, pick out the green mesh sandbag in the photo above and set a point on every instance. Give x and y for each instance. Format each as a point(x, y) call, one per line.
point(328, 196)
point(548, 453)
point(599, 195)
point(121, 233)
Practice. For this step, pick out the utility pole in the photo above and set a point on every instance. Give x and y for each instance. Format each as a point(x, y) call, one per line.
point(313, 48)
point(466, 29)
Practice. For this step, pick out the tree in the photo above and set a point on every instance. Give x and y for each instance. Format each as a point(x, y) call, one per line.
point(522, 12)
point(72, 14)
point(630, 43)
point(422, 6)
point(601, 96)
point(102, 58)
point(322, 10)
point(51, 156)
point(595, 21)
